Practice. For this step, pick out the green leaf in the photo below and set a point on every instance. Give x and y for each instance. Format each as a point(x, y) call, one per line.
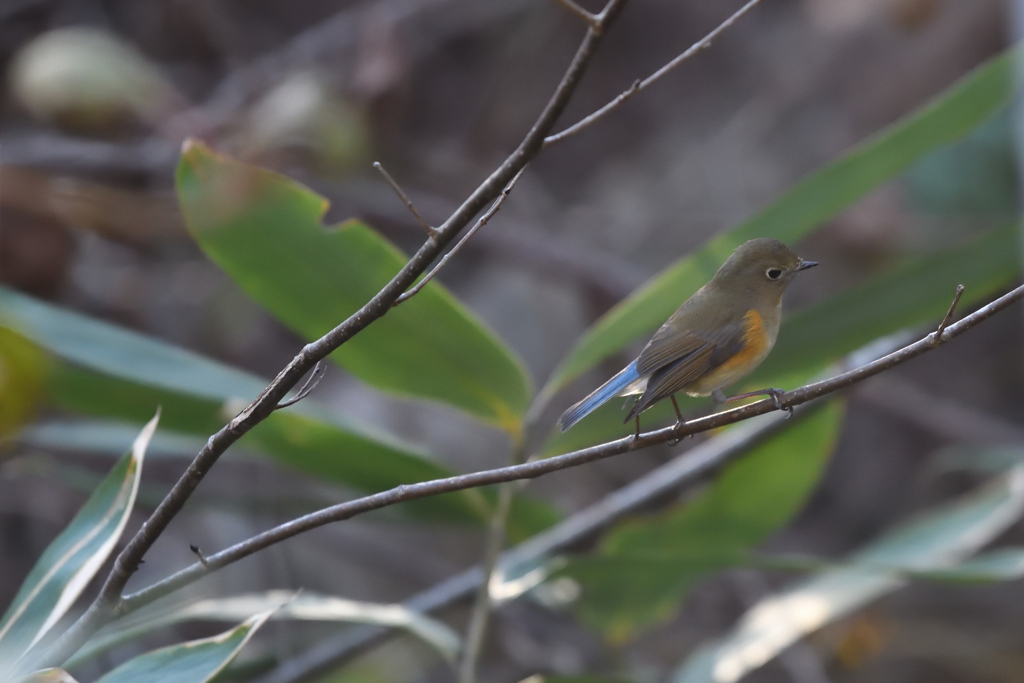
point(73, 558)
point(115, 373)
point(751, 498)
point(285, 605)
point(196, 661)
point(805, 207)
point(266, 232)
point(935, 540)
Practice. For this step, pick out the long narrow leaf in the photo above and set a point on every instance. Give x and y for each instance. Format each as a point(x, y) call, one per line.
point(304, 606)
point(70, 562)
point(934, 541)
point(950, 116)
point(196, 661)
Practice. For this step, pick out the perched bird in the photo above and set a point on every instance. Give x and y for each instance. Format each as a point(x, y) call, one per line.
point(719, 335)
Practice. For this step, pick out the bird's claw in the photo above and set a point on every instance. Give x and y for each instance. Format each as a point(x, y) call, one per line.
point(775, 393)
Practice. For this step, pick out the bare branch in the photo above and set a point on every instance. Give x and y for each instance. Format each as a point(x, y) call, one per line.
point(314, 379)
point(109, 602)
point(481, 222)
point(637, 86)
point(593, 20)
point(431, 231)
point(537, 468)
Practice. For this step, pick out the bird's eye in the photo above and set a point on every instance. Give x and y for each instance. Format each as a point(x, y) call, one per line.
point(773, 273)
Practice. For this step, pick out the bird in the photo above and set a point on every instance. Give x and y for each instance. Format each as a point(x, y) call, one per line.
point(717, 337)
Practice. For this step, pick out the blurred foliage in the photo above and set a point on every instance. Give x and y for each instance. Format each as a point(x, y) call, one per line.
point(23, 374)
point(645, 566)
point(110, 372)
point(87, 79)
point(976, 177)
point(936, 540)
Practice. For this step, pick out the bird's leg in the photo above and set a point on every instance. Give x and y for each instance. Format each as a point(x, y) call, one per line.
point(679, 415)
point(679, 420)
point(772, 392)
point(636, 435)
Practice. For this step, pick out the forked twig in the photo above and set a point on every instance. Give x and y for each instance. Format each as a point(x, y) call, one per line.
point(639, 85)
point(481, 222)
point(319, 370)
point(431, 231)
point(593, 20)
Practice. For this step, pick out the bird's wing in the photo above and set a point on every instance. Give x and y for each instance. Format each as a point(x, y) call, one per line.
point(675, 359)
point(671, 346)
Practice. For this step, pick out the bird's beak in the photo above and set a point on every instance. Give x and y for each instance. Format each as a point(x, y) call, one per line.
point(804, 265)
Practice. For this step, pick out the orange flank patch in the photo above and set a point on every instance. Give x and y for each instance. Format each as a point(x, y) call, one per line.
point(755, 347)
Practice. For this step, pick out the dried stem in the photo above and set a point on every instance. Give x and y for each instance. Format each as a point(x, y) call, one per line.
point(430, 230)
point(639, 85)
point(481, 222)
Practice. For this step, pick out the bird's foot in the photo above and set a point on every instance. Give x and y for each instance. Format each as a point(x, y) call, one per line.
point(775, 393)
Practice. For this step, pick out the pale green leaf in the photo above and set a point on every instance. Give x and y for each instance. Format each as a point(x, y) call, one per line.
point(287, 605)
point(932, 542)
point(73, 558)
point(196, 661)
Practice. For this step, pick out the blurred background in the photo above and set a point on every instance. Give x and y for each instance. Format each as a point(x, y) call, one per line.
point(98, 96)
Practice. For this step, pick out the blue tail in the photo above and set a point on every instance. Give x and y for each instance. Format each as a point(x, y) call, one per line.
point(599, 397)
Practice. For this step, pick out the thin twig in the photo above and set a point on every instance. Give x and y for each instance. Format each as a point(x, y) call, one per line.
point(109, 602)
point(949, 314)
point(593, 20)
point(481, 222)
point(319, 370)
point(430, 230)
point(639, 85)
point(199, 553)
point(537, 468)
